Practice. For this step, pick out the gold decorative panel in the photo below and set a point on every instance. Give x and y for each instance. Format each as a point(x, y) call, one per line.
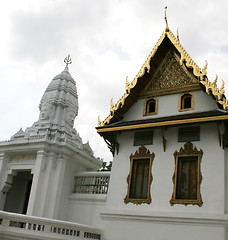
point(170, 75)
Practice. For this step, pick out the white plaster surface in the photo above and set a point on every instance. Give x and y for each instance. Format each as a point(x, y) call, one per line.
point(212, 168)
point(168, 106)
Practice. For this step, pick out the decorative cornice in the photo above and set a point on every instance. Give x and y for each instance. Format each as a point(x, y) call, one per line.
point(163, 123)
point(166, 217)
point(211, 88)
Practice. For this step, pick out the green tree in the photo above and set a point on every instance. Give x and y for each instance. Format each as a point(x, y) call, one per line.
point(106, 166)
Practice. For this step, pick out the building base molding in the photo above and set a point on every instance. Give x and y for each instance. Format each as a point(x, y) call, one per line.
point(167, 217)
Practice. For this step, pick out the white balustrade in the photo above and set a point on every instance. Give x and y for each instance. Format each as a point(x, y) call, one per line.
point(92, 182)
point(23, 224)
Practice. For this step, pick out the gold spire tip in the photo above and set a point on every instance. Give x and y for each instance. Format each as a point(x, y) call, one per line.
point(166, 28)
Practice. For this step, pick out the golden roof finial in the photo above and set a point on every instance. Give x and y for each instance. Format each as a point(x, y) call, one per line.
point(215, 81)
point(127, 84)
point(112, 105)
point(99, 121)
point(166, 28)
point(204, 70)
point(68, 60)
point(222, 91)
point(178, 35)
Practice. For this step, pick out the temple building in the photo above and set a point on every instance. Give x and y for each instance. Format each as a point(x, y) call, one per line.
point(38, 165)
point(168, 134)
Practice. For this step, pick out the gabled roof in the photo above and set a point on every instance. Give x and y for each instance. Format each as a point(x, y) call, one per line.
point(166, 42)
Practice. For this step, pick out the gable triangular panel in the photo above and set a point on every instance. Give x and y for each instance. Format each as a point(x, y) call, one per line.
point(170, 77)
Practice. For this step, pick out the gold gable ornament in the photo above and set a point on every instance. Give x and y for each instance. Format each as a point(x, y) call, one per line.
point(170, 77)
point(185, 60)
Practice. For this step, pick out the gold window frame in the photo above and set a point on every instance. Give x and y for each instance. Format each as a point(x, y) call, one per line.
point(180, 101)
point(146, 107)
point(187, 151)
point(141, 153)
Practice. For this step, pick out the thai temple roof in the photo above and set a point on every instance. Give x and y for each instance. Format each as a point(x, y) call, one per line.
point(166, 42)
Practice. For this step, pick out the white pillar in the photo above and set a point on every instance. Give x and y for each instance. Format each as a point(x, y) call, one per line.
point(50, 185)
point(3, 162)
point(53, 185)
point(58, 187)
point(35, 200)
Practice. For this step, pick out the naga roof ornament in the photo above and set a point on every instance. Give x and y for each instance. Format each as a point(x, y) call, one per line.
point(166, 28)
point(127, 87)
point(185, 59)
point(178, 35)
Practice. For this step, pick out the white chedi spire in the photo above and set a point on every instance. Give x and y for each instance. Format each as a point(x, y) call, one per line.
point(59, 103)
point(58, 109)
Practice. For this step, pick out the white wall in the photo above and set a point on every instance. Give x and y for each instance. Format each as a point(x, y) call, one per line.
point(86, 209)
point(212, 168)
point(168, 106)
point(67, 187)
point(143, 227)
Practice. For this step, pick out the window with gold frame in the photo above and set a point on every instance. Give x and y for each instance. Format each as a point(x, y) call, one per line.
point(186, 102)
point(150, 107)
point(140, 177)
point(187, 176)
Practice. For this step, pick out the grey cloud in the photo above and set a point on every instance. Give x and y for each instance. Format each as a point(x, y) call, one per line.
point(116, 49)
point(224, 48)
point(40, 35)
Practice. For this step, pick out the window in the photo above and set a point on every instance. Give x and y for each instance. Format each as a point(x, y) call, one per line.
point(143, 138)
point(150, 107)
point(140, 177)
point(187, 176)
point(189, 134)
point(139, 180)
point(186, 102)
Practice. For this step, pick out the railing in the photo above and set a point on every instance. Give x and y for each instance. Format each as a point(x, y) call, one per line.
point(22, 225)
point(92, 182)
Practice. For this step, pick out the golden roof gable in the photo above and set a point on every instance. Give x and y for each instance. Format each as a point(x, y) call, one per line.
point(200, 74)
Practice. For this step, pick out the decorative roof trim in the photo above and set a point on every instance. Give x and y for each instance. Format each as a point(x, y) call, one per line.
point(162, 123)
point(211, 88)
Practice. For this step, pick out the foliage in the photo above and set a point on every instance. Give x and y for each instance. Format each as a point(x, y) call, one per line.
point(106, 166)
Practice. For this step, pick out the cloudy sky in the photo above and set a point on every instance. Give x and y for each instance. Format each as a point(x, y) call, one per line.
point(107, 40)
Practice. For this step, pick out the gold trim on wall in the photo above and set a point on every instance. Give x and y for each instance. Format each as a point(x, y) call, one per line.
point(187, 151)
point(151, 94)
point(164, 123)
point(141, 153)
point(180, 102)
point(146, 107)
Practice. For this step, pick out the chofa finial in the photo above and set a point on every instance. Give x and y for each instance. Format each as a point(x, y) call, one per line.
point(127, 85)
point(111, 105)
point(167, 28)
point(222, 91)
point(99, 121)
point(178, 35)
point(68, 60)
point(204, 70)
